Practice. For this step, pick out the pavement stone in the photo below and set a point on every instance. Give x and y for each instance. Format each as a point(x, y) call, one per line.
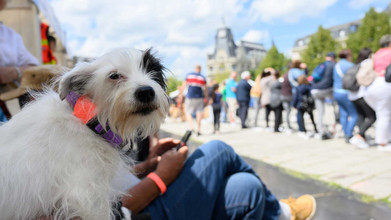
point(334, 161)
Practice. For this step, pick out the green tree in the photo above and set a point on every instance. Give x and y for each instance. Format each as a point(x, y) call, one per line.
point(273, 59)
point(221, 76)
point(374, 26)
point(320, 44)
point(172, 84)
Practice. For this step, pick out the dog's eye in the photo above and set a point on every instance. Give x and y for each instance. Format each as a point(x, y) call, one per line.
point(115, 76)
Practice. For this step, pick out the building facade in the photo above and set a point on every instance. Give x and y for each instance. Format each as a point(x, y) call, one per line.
point(228, 56)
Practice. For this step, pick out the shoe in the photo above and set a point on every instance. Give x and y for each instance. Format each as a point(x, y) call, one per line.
point(361, 143)
point(268, 129)
point(244, 127)
point(288, 131)
point(303, 135)
point(318, 136)
point(198, 133)
point(354, 140)
point(386, 148)
point(302, 208)
point(347, 139)
point(327, 136)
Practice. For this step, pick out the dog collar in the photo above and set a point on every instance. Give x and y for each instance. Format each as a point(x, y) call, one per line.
point(85, 110)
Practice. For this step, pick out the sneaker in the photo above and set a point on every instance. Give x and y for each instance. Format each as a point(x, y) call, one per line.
point(302, 208)
point(318, 136)
point(361, 143)
point(327, 136)
point(386, 148)
point(354, 140)
point(268, 129)
point(288, 131)
point(303, 135)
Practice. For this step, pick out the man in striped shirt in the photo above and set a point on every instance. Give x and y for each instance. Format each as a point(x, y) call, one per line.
point(196, 97)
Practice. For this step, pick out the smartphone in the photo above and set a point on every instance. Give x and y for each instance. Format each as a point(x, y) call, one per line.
point(184, 140)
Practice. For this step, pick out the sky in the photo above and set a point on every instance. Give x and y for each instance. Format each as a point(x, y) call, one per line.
point(182, 32)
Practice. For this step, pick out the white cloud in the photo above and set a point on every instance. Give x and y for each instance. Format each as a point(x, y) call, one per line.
point(288, 10)
point(363, 3)
point(256, 36)
point(182, 31)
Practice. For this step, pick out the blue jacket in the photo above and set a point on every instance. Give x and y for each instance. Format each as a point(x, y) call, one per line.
point(293, 74)
point(327, 80)
point(243, 91)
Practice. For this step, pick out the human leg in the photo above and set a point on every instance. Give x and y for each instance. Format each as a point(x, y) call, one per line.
point(199, 116)
point(343, 112)
point(277, 117)
point(313, 121)
point(257, 106)
point(368, 115)
point(217, 122)
point(287, 109)
point(300, 120)
point(194, 193)
point(267, 113)
point(190, 110)
point(242, 197)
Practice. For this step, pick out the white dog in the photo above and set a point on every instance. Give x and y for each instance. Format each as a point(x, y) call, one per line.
point(59, 155)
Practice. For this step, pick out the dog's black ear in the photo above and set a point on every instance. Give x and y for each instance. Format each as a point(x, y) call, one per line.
point(152, 65)
point(75, 80)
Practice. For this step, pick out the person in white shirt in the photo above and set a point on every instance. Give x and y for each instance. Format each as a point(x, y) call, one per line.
point(14, 57)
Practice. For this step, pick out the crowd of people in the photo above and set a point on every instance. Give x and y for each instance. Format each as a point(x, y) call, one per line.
point(357, 89)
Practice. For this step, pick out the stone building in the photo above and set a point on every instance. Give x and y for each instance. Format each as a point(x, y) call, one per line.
point(24, 16)
point(228, 56)
point(339, 32)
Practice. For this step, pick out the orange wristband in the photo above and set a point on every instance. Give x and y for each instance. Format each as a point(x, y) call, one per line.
point(159, 182)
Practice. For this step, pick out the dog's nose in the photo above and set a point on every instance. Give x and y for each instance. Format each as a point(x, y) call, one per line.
point(145, 94)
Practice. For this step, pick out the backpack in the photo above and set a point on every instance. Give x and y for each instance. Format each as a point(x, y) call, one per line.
point(318, 72)
point(366, 74)
point(307, 103)
point(387, 75)
point(349, 80)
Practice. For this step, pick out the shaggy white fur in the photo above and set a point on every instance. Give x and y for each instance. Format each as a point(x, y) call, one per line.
point(51, 164)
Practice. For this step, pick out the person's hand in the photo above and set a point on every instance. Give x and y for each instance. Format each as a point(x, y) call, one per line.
point(171, 164)
point(8, 74)
point(154, 156)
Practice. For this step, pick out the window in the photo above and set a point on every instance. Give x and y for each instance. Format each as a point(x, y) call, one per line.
point(353, 28)
point(342, 33)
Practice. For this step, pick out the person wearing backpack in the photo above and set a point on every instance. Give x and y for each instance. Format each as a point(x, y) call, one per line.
point(378, 95)
point(347, 111)
point(322, 88)
point(304, 103)
point(366, 115)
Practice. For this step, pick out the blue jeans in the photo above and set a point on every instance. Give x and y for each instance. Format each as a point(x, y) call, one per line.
point(216, 183)
point(3, 118)
point(347, 113)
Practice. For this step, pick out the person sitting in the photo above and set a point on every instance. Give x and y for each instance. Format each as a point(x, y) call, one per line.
point(14, 57)
point(213, 183)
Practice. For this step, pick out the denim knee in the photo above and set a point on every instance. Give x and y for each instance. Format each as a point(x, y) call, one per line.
point(216, 146)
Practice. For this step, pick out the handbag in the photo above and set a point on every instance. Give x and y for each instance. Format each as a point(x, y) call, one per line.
point(387, 76)
point(366, 74)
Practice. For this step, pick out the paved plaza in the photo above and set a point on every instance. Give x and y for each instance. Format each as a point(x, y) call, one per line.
point(333, 161)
